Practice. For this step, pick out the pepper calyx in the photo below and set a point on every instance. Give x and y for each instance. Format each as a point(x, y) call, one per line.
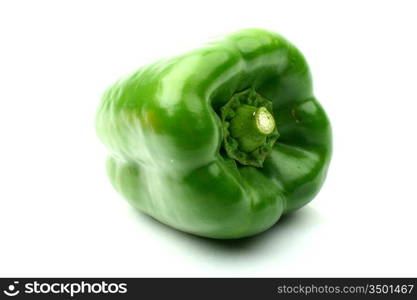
point(249, 128)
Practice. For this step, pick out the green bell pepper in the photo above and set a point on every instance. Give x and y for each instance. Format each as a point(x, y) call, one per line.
point(219, 142)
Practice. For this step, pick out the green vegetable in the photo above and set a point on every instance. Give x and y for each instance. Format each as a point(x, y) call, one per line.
point(219, 142)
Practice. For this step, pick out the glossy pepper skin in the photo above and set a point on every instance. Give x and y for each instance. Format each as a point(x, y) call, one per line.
point(175, 155)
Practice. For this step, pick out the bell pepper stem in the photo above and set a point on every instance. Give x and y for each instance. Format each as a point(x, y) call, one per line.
point(250, 126)
point(250, 130)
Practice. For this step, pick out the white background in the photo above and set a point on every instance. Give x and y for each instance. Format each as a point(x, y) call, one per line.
point(59, 215)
